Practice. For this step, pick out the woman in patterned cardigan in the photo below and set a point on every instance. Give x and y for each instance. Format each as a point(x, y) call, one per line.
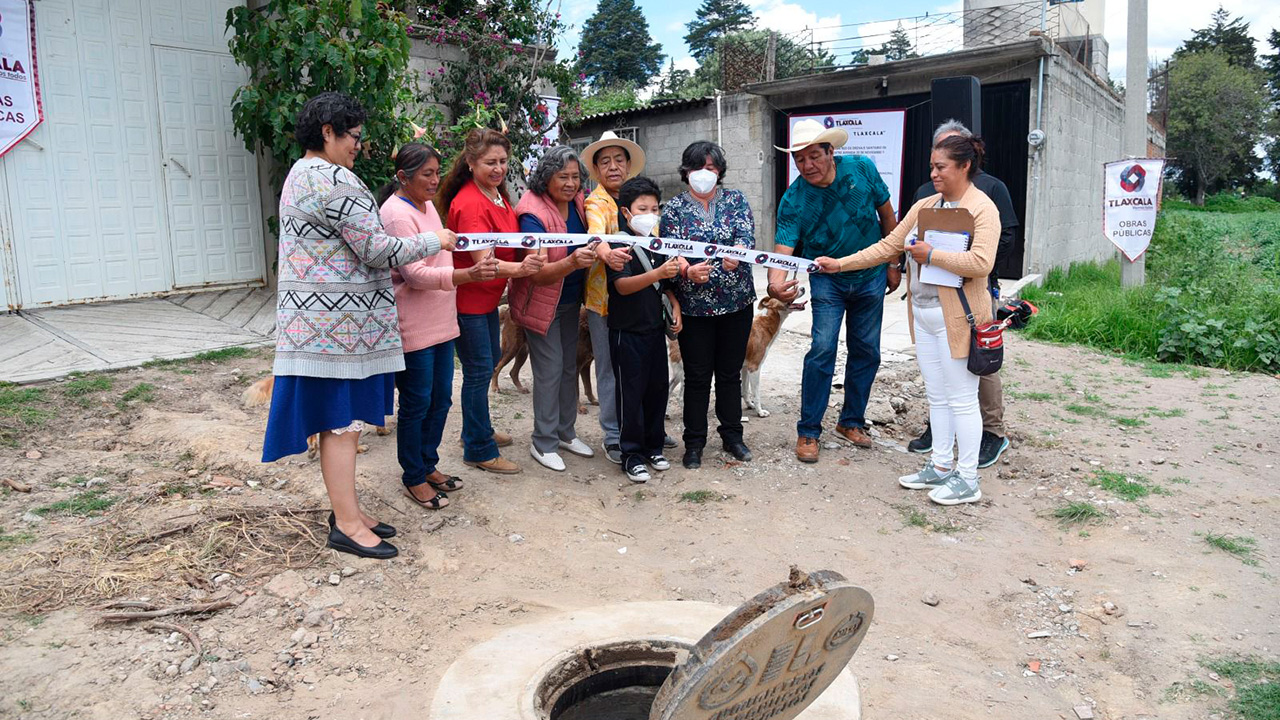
point(337, 335)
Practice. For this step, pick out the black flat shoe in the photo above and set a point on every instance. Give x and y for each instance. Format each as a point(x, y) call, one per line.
point(382, 530)
point(693, 458)
point(339, 541)
point(739, 450)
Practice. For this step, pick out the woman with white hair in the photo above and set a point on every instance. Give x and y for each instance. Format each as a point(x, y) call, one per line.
point(547, 304)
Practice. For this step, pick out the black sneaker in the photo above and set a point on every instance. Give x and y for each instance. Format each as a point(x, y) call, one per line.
point(993, 446)
point(637, 472)
point(924, 443)
point(659, 463)
point(668, 442)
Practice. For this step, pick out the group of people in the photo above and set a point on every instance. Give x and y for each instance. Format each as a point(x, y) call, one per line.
point(373, 299)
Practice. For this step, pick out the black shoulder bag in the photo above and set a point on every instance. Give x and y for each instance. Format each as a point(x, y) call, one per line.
point(668, 312)
point(986, 342)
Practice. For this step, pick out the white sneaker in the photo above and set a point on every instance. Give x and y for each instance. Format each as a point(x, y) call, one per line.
point(577, 447)
point(550, 461)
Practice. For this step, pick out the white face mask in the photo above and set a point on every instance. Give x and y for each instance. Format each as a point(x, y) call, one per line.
point(644, 224)
point(703, 181)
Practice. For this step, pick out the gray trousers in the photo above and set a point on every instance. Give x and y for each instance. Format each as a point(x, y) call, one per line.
point(605, 384)
point(554, 357)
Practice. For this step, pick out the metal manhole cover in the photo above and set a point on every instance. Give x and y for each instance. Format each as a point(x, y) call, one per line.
point(773, 656)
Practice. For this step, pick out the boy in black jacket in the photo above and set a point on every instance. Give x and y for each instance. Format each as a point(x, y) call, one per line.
point(637, 338)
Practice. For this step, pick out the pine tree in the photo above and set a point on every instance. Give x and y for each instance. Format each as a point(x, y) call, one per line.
point(1229, 36)
point(899, 46)
point(616, 47)
point(716, 18)
point(1271, 68)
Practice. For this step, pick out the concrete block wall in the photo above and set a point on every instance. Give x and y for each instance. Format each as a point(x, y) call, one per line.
point(1084, 122)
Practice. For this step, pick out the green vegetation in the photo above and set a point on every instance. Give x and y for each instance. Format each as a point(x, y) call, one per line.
point(701, 497)
point(1240, 546)
point(1257, 685)
point(211, 356)
point(85, 504)
point(1212, 297)
point(915, 517)
point(1156, 412)
point(11, 540)
point(79, 386)
point(142, 392)
point(1078, 513)
point(22, 407)
point(1127, 487)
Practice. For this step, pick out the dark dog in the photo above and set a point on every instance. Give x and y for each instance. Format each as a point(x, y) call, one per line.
point(515, 349)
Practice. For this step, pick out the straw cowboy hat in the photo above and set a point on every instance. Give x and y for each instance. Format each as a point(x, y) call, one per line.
point(811, 132)
point(610, 139)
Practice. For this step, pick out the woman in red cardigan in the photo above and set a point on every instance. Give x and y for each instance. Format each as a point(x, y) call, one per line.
point(474, 199)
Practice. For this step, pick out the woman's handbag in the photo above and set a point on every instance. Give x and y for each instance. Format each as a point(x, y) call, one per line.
point(986, 342)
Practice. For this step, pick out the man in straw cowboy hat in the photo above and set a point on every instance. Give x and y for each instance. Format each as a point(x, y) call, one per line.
point(610, 161)
point(838, 205)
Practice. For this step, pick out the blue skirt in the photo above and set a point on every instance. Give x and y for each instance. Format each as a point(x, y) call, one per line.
point(304, 406)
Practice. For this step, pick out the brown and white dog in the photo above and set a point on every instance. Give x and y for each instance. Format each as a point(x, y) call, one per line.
point(515, 349)
point(764, 330)
point(259, 393)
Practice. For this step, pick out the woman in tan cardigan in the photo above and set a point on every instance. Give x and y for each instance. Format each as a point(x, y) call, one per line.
point(938, 323)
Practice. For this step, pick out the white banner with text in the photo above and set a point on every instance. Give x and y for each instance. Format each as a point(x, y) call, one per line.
point(878, 134)
point(20, 110)
point(1131, 199)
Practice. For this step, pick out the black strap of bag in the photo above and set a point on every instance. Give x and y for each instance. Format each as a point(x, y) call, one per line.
point(668, 312)
point(986, 343)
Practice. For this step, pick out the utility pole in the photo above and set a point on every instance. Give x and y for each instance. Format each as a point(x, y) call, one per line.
point(1134, 274)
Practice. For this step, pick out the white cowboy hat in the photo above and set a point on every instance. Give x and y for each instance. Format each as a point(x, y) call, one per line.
point(811, 132)
point(610, 139)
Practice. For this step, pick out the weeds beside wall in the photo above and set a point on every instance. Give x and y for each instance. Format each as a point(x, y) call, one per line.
point(1212, 295)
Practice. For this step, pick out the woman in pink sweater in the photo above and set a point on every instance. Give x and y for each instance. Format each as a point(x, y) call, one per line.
point(427, 305)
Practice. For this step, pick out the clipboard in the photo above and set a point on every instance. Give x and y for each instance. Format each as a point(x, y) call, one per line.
point(949, 223)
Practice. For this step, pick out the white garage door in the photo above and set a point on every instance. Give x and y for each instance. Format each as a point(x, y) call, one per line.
point(91, 201)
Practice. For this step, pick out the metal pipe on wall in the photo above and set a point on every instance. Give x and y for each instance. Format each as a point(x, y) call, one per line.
point(719, 120)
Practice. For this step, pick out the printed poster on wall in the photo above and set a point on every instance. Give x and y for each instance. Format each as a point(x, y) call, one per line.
point(20, 110)
point(877, 134)
point(1131, 197)
point(545, 120)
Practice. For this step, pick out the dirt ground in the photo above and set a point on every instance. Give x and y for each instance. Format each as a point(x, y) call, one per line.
point(1128, 601)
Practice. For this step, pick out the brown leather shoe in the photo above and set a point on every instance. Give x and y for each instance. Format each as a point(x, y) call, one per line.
point(498, 465)
point(503, 439)
point(855, 435)
point(807, 450)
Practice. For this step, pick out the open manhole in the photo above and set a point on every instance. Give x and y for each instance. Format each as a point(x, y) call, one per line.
point(771, 658)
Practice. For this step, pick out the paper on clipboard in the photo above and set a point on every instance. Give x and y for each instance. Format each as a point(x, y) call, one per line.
point(947, 230)
point(947, 242)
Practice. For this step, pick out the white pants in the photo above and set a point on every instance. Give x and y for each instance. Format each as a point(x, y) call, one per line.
point(953, 396)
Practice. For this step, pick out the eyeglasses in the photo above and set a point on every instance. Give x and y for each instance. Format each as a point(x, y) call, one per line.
point(358, 137)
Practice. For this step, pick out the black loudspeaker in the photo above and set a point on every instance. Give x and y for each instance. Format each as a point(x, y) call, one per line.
point(958, 98)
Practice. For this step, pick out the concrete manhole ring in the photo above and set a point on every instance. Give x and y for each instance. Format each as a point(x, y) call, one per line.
point(510, 677)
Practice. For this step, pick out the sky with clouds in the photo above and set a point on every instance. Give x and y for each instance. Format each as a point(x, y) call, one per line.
point(1170, 21)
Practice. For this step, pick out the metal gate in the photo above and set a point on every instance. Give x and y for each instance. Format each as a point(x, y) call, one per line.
point(1006, 111)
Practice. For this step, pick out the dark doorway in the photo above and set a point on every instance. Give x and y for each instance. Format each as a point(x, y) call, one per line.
point(1006, 120)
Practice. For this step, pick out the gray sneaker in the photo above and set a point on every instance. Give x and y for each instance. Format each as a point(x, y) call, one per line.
point(927, 479)
point(956, 491)
point(613, 453)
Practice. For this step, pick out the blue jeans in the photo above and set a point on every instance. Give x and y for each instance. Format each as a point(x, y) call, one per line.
point(478, 349)
point(861, 305)
point(426, 393)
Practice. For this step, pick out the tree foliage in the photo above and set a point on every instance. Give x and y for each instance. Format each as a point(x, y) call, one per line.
point(1271, 70)
point(510, 54)
point(740, 58)
point(616, 47)
point(716, 19)
point(1227, 35)
point(295, 49)
point(897, 47)
point(1214, 122)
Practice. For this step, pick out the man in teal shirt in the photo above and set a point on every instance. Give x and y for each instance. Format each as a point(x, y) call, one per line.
point(838, 206)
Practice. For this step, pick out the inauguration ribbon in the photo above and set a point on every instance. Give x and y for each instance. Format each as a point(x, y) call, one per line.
point(666, 246)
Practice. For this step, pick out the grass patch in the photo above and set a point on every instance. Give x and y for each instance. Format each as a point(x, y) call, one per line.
point(914, 517)
point(1212, 297)
point(12, 540)
point(1079, 512)
point(1240, 546)
point(142, 392)
point(1129, 422)
point(21, 408)
point(1179, 480)
point(87, 385)
point(1257, 685)
point(1037, 396)
point(1173, 413)
point(1126, 487)
point(209, 356)
point(1086, 410)
point(702, 497)
point(85, 504)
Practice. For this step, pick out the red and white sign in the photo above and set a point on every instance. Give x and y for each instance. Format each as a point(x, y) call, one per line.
point(20, 109)
point(1131, 199)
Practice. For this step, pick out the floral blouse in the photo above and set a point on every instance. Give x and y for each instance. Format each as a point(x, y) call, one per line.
point(727, 221)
